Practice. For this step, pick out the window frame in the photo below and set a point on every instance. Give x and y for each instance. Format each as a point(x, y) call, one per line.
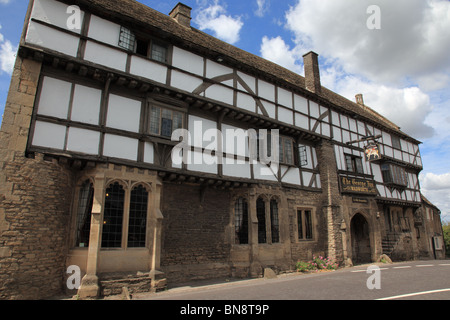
point(282, 156)
point(356, 163)
point(241, 219)
point(86, 225)
point(173, 110)
point(305, 226)
point(134, 39)
point(394, 175)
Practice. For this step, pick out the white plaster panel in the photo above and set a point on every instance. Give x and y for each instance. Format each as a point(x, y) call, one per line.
point(301, 121)
point(123, 113)
point(184, 81)
point(81, 140)
point(249, 81)
point(285, 97)
point(86, 104)
point(54, 12)
point(266, 90)
point(335, 119)
point(104, 31)
point(220, 93)
point(397, 154)
point(388, 151)
point(263, 172)
point(105, 56)
point(120, 147)
point(285, 115)
point(338, 158)
point(49, 135)
point(246, 102)
point(318, 183)
point(292, 176)
point(202, 162)
point(337, 134)
point(307, 177)
point(149, 153)
point(235, 168)
point(381, 190)
point(326, 130)
point(235, 141)
point(301, 104)
point(52, 39)
point(197, 128)
point(387, 139)
point(361, 128)
point(55, 97)
point(353, 127)
point(214, 69)
point(344, 122)
point(187, 61)
point(314, 109)
point(148, 69)
point(270, 108)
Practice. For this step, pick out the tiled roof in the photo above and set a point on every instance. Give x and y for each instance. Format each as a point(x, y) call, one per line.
point(144, 17)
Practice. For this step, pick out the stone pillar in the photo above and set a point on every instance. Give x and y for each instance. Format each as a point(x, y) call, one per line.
point(255, 266)
point(90, 286)
point(157, 276)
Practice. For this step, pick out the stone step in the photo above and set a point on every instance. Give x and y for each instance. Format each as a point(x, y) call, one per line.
point(113, 284)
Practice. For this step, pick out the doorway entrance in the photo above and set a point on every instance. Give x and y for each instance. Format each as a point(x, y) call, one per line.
point(361, 251)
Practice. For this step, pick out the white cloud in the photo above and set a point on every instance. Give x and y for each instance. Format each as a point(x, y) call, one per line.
point(413, 40)
point(406, 107)
point(404, 60)
point(263, 7)
point(5, 1)
point(277, 51)
point(437, 189)
point(7, 55)
point(215, 18)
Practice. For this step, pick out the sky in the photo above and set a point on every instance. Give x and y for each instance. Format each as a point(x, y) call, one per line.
point(395, 53)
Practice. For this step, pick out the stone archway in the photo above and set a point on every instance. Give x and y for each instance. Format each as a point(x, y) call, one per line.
point(360, 240)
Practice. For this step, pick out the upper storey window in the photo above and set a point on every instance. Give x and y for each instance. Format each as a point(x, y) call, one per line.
point(163, 121)
point(149, 48)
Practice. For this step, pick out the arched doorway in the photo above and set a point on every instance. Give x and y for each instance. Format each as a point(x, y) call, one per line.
point(361, 252)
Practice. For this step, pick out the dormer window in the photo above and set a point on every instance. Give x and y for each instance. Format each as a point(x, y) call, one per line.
point(142, 46)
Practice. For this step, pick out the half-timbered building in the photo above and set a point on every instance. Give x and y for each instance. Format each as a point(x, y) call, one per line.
point(102, 95)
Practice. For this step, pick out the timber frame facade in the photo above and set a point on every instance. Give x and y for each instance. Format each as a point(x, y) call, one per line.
point(88, 176)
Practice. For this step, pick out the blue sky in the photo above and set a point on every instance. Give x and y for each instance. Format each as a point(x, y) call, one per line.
point(402, 66)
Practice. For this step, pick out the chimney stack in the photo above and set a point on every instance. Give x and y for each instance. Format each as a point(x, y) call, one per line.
point(312, 73)
point(182, 14)
point(360, 99)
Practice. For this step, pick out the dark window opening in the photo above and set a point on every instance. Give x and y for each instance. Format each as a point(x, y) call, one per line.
point(142, 47)
point(113, 216)
point(304, 225)
point(354, 164)
point(85, 202)
point(241, 221)
point(261, 216)
point(275, 224)
point(394, 175)
point(137, 226)
point(396, 142)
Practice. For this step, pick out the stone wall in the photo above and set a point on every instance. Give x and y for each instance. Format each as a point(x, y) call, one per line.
point(35, 199)
point(194, 237)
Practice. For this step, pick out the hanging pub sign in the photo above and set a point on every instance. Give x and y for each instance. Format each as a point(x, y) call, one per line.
point(372, 152)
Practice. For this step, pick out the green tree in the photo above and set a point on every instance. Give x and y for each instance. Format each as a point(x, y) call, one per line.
point(446, 229)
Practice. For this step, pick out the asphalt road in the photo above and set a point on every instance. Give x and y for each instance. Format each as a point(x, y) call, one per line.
point(418, 280)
